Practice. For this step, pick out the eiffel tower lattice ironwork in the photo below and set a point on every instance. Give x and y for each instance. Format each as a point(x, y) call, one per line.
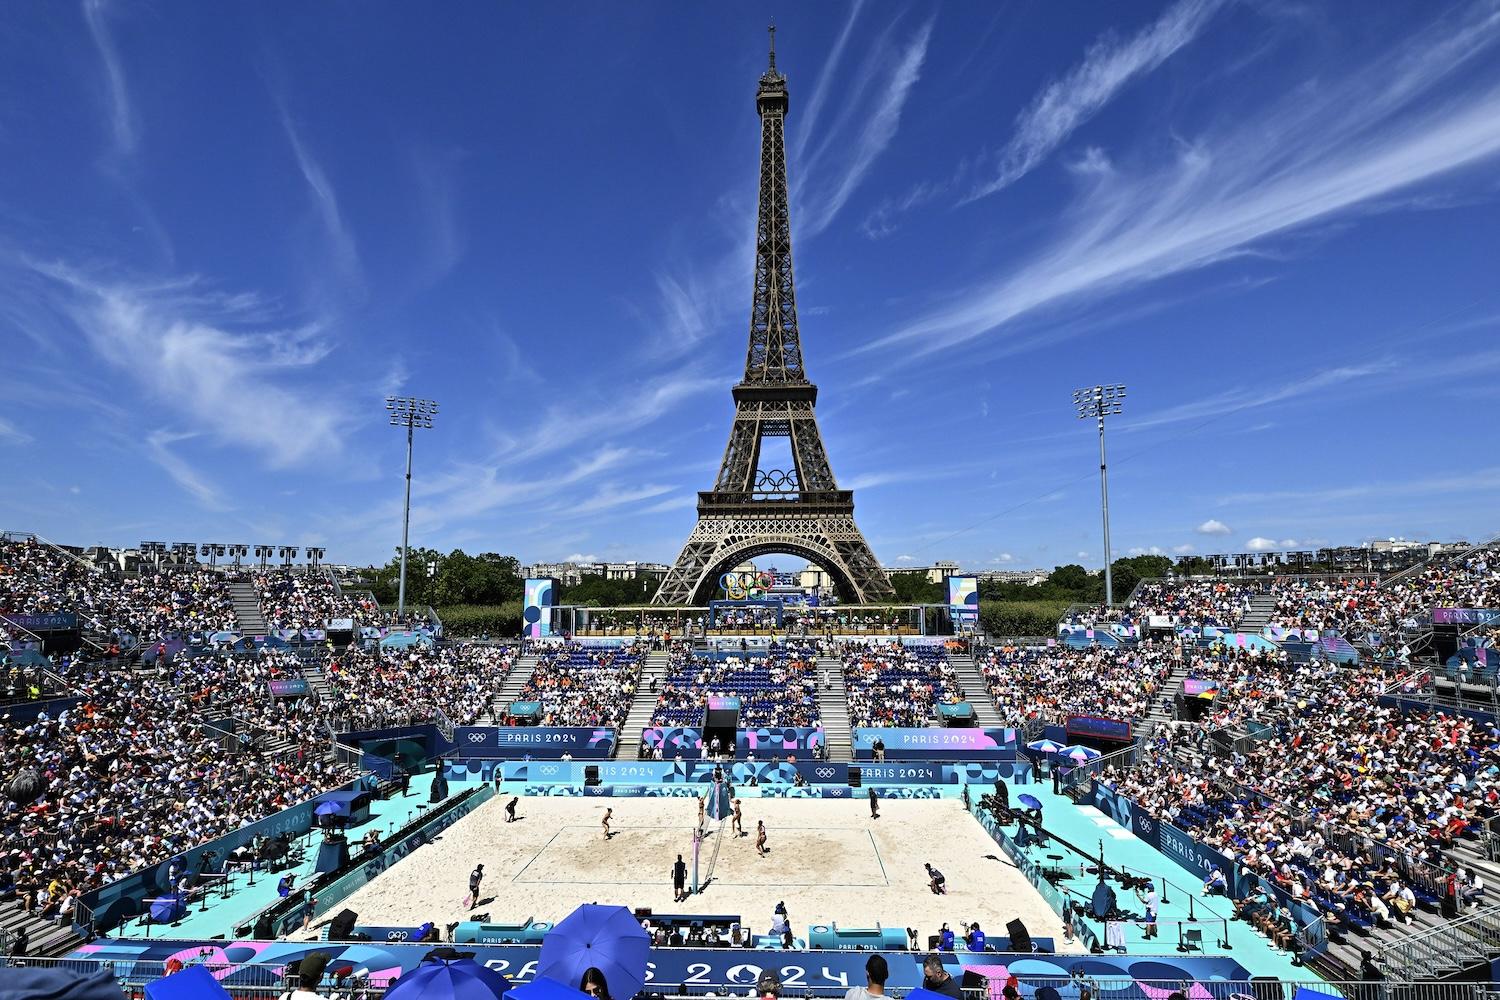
point(753, 511)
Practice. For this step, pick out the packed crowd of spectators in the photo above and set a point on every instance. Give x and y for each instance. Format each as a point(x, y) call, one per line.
point(1220, 603)
point(132, 610)
point(775, 688)
point(298, 600)
point(1347, 804)
point(580, 686)
point(375, 687)
point(894, 685)
point(133, 776)
point(1047, 684)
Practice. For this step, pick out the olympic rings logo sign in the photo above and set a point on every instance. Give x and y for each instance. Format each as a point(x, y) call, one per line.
point(825, 772)
point(747, 586)
point(477, 737)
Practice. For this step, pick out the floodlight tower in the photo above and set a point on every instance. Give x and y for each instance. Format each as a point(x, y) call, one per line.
point(287, 554)
point(263, 552)
point(411, 413)
point(239, 551)
point(314, 556)
point(1097, 402)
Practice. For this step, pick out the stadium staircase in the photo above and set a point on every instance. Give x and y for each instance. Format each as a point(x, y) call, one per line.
point(643, 706)
point(1160, 711)
point(976, 692)
point(1262, 607)
point(833, 707)
point(247, 610)
point(519, 674)
point(317, 680)
point(45, 939)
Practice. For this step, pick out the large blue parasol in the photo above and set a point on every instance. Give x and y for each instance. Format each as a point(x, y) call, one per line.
point(607, 938)
point(1029, 801)
point(193, 983)
point(168, 909)
point(444, 979)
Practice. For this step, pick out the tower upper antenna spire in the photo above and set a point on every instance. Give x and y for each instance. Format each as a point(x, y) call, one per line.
point(772, 30)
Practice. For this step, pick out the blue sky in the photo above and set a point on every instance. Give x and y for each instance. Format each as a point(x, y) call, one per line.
point(228, 231)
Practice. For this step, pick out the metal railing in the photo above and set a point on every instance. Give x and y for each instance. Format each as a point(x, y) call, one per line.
point(267, 980)
point(1458, 943)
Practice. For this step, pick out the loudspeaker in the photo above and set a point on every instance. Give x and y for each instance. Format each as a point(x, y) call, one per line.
point(591, 774)
point(342, 925)
point(973, 981)
point(855, 777)
point(1020, 937)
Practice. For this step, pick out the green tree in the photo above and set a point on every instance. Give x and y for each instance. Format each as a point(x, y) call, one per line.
point(913, 587)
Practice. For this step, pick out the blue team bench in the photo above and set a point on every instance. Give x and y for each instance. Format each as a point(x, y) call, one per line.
point(832, 937)
point(474, 932)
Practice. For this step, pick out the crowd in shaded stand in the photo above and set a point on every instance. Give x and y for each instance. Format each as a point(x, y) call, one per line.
point(291, 600)
point(894, 685)
point(375, 687)
point(38, 579)
point(1049, 683)
point(775, 688)
point(579, 686)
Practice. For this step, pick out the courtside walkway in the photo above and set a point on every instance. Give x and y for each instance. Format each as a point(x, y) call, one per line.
point(218, 914)
point(1185, 903)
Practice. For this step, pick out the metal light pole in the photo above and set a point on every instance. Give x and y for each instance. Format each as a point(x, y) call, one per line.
point(411, 413)
point(1097, 402)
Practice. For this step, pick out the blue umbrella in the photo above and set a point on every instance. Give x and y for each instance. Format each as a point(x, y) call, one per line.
point(1029, 801)
point(546, 989)
point(192, 983)
point(444, 979)
point(1045, 746)
point(168, 909)
point(607, 938)
point(1081, 753)
point(328, 809)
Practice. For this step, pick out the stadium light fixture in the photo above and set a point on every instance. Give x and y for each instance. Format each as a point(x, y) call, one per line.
point(314, 556)
point(238, 551)
point(155, 550)
point(263, 552)
point(185, 552)
point(411, 413)
point(287, 553)
point(1098, 402)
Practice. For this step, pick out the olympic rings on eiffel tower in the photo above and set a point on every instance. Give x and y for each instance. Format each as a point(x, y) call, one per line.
point(747, 586)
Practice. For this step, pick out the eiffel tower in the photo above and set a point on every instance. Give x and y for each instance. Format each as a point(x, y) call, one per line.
point(753, 511)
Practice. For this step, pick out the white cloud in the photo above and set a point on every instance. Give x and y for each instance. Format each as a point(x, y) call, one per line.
point(581, 557)
point(1004, 558)
point(1213, 526)
point(1259, 544)
point(1316, 152)
point(905, 558)
point(122, 119)
point(1154, 550)
point(879, 124)
point(159, 449)
point(672, 503)
point(1081, 554)
point(1107, 67)
point(325, 202)
point(1183, 549)
point(11, 434)
point(213, 358)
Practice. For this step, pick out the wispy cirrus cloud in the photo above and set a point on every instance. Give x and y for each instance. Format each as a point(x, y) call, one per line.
point(1109, 65)
point(1351, 143)
point(122, 118)
point(325, 202)
point(11, 434)
point(1070, 101)
point(841, 162)
point(159, 450)
point(217, 360)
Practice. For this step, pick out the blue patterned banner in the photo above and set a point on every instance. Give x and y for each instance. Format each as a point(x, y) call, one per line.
point(936, 744)
point(515, 742)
